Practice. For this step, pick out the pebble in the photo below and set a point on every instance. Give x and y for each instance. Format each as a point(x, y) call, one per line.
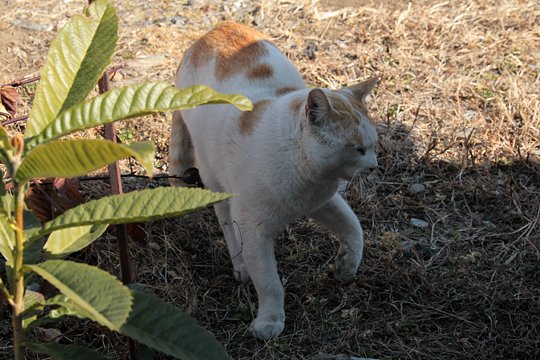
point(419, 223)
point(48, 335)
point(417, 188)
point(31, 25)
point(179, 20)
point(33, 287)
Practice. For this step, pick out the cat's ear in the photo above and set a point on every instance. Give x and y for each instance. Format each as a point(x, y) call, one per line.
point(363, 89)
point(317, 105)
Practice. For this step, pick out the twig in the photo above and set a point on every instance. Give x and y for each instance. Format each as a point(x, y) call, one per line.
point(23, 81)
point(104, 85)
point(15, 120)
point(158, 177)
point(28, 80)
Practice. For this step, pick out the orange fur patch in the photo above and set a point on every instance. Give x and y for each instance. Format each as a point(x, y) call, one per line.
point(344, 105)
point(234, 47)
point(358, 104)
point(261, 71)
point(285, 90)
point(296, 105)
point(249, 119)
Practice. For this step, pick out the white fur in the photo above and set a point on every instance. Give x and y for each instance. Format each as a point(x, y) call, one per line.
point(280, 170)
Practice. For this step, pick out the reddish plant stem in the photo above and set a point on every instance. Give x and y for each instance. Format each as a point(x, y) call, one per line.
point(121, 231)
point(28, 80)
point(116, 188)
point(15, 120)
point(24, 81)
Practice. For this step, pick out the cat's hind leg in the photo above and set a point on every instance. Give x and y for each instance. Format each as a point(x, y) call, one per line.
point(234, 243)
point(181, 152)
point(337, 216)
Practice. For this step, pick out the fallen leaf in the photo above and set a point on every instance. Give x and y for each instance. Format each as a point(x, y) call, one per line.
point(9, 99)
point(49, 198)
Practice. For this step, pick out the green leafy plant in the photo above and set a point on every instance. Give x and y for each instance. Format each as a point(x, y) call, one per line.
point(75, 61)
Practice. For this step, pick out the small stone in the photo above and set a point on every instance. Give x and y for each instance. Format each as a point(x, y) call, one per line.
point(419, 223)
point(30, 25)
point(33, 287)
point(340, 43)
point(178, 20)
point(161, 20)
point(417, 188)
point(154, 246)
point(309, 51)
point(48, 334)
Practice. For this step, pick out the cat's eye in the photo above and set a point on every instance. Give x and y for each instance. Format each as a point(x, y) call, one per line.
point(362, 151)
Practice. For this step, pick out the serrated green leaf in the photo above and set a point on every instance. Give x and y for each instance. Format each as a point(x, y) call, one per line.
point(7, 204)
point(136, 206)
point(6, 150)
point(166, 328)
point(99, 294)
point(33, 241)
point(135, 100)
point(32, 298)
point(65, 352)
point(66, 307)
point(7, 239)
point(33, 305)
point(63, 307)
point(72, 158)
point(32, 248)
point(4, 291)
point(66, 241)
point(75, 61)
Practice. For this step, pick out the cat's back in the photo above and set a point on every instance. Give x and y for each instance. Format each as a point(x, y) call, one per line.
point(235, 58)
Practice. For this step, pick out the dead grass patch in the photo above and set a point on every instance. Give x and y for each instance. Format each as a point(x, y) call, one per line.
point(458, 112)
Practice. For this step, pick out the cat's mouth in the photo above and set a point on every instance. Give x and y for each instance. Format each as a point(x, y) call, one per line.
point(350, 172)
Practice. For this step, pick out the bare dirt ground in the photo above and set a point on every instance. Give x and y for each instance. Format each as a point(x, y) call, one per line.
point(452, 263)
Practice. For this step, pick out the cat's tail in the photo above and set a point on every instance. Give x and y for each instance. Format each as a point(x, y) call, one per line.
point(181, 154)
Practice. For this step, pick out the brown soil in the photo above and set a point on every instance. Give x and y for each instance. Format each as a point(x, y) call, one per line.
point(458, 112)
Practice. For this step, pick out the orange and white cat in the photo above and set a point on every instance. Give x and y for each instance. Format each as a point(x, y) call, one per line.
point(285, 159)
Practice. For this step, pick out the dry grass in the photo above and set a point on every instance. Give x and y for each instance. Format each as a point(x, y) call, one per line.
point(459, 113)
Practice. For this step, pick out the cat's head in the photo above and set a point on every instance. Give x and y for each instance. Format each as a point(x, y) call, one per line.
point(337, 120)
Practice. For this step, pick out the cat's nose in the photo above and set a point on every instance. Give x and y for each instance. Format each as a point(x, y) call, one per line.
point(368, 170)
point(373, 166)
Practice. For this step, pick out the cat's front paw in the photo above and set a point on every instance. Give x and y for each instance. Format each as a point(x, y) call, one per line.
point(344, 273)
point(346, 267)
point(241, 273)
point(267, 328)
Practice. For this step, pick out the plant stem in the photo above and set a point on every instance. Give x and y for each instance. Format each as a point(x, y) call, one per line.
point(18, 277)
point(4, 290)
point(121, 230)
